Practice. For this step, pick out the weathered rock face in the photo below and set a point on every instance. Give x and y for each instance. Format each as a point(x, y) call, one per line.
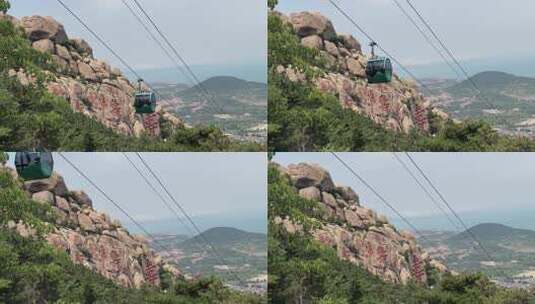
point(358, 234)
point(91, 238)
point(90, 85)
point(397, 106)
point(309, 24)
point(305, 175)
point(38, 28)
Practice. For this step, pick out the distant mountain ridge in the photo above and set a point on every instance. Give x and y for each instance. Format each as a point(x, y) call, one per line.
point(493, 231)
point(510, 250)
point(521, 64)
point(243, 252)
point(253, 72)
point(506, 101)
point(229, 82)
point(223, 85)
point(224, 236)
point(495, 81)
point(236, 105)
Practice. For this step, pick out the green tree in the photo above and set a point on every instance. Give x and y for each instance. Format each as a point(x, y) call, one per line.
point(272, 3)
point(4, 6)
point(4, 157)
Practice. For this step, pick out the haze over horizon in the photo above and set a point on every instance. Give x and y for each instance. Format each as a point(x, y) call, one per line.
point(216, 189)
point(215, 37)
point(473, 39)
point(481, 187)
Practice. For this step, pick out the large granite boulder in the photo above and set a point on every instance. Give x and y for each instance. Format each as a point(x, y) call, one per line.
point(38, 27)
point(308, 175)
point(308, 24)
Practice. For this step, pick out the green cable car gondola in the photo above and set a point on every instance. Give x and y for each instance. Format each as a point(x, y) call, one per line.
point(34, 165)
point(378, 69)
point(145, 101)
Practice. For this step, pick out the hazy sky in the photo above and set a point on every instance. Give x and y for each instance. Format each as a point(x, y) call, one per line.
point(205, 32)
point(482, 186)
point(229, 188)
point(471, 29)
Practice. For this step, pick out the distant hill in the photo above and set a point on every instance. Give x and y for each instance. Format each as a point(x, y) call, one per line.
point(496, 82)
point(225, 85)
point(255, 72)
point(511, 250)
point(245, 253)
point(234, 104)
point(495, 233)
point(225, 236)
point(507, 101)
point(519, 65)
point(229, 92)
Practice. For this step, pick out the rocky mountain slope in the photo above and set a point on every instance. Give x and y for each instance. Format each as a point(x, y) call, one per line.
point(397, 106)
point(358, 234)
point(319, 99)
point(90, 85)
point(326, 247)
point(90, 237)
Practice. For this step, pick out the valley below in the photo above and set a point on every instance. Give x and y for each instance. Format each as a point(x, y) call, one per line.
point(241, 254)
point(511, 253)
point(506, 101)
point(237, 106)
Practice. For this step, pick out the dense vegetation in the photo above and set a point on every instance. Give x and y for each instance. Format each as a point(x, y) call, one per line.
point(272, 3)
point(302, 118)
point(303, 270)
point(31, 117)
point(31, 271)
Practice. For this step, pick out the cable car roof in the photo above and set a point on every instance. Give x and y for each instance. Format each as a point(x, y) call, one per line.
point(376, 59)
point(144, 93)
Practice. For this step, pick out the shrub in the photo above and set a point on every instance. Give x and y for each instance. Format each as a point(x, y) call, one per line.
point(4, 6)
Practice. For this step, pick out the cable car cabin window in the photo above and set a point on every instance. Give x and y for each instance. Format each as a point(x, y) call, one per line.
point(34, 165)
point(379, 70)
point(145, 102)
